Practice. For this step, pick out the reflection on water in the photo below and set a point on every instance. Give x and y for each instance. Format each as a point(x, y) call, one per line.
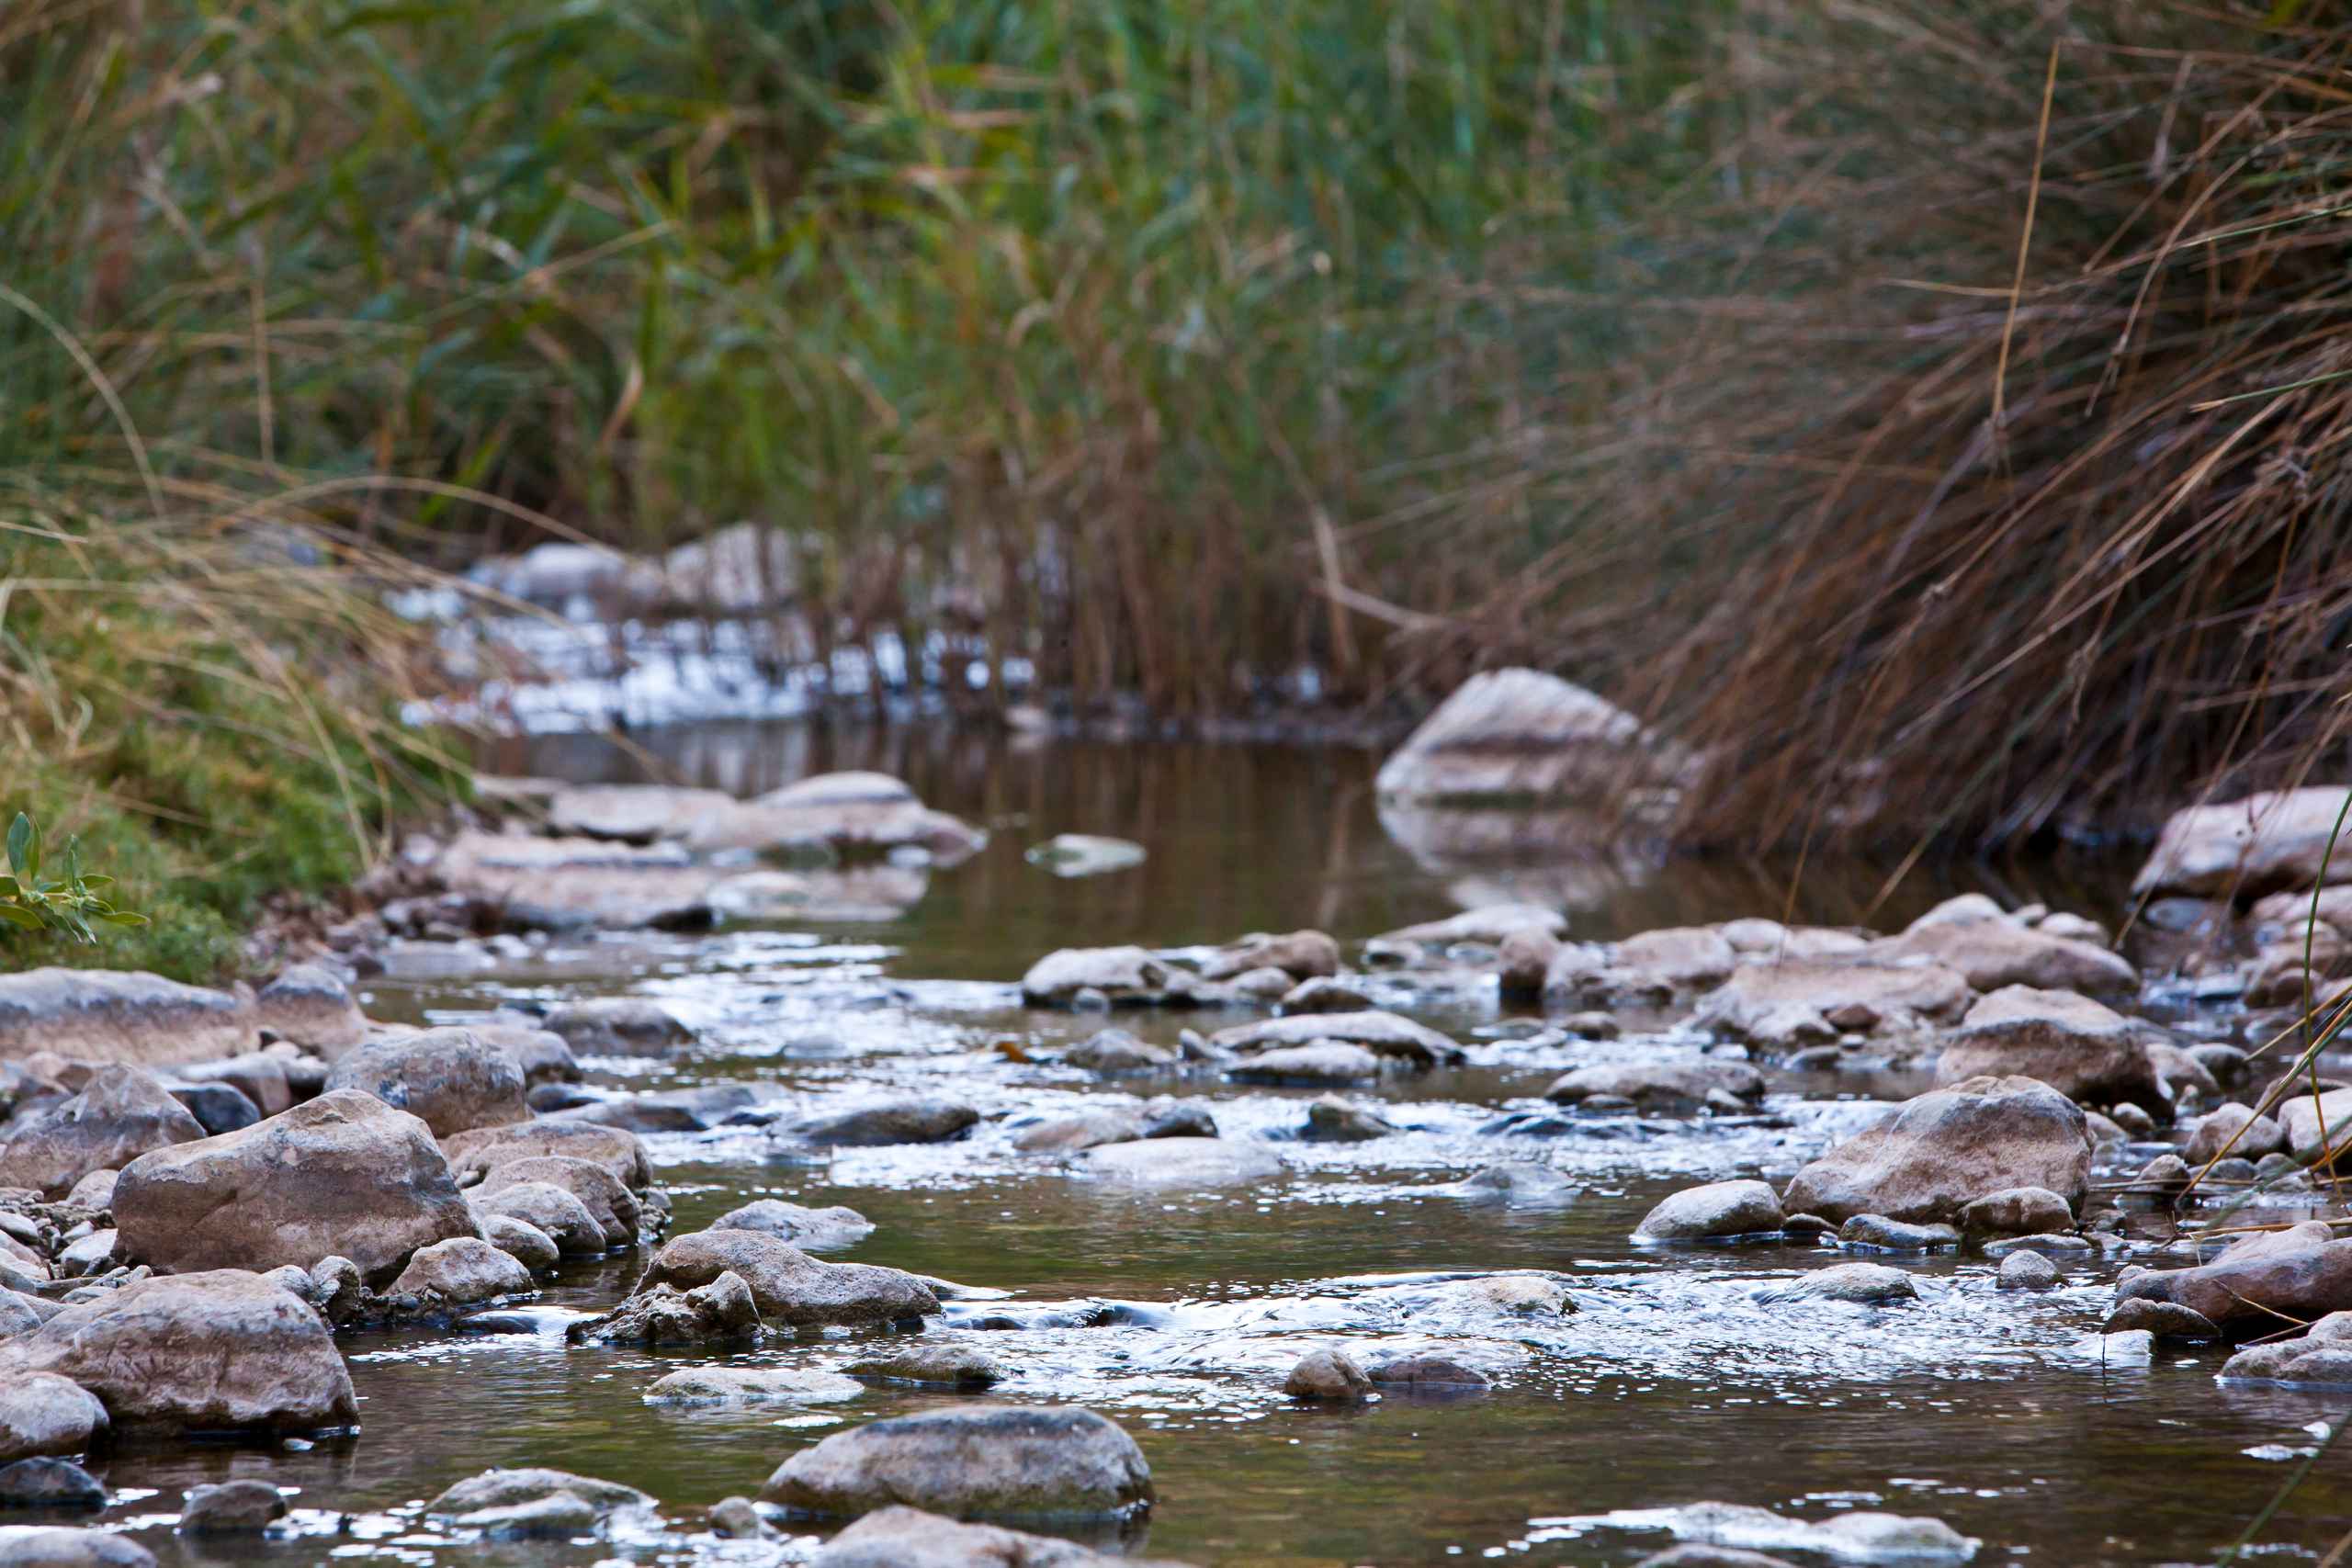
point(1671, 1382)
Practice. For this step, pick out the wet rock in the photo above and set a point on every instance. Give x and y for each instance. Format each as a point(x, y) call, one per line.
point(974, 1461)
point(900, 1537)
point(1524, 959)
point(1518, 735)
point(2017, 1211)
point(1325, 994)
point(1790, 1003)
point(1808, 1227)
point(1116, 1050)
point(1426, 1372)
point(1680, 1086)
point(2236, 1129)
point(552, 1211)
point(619, 1026)
point(1865, 1284)
point(50, 1483)
point(918, 1119)
point(2161, 1176)
point(790, 1287)
point(524, 1503)
point(217, 1107)
point(1881, 1233)
point(1328, 1375)
point(1321, 1064)
point(2027, 1271)
point(2301, 1121)
point(42, 1546)
point(448, 1079)
point(534, 883)
point(721, 1312)
point(752, 1385)
point(1510, 1295)
point(1677, 958)
point(525, 1243)
point(2297, 1274)
point(1591, 1026)
point(1182, 1163)
point(1124, 976)
point(1994, 954)
point(930, 1366)
point(635, 814)
point(42, 1414)
point(848, 814)
point(259, 1077)
point(1084, 854)
point(1384, 1034)
point(2263, 843)
point(803, 1227)
point(310, 1005)
point(462, 1272)
point(231, 1507)
point(2321, 1355)
point(1515, 1182)
point(738, 1518)
point(2165, 1320)
point(218, 1351)
point(119, 1115)
point(2082, 1050)
point(1083, 1129)
point(1335, 1120)
point(1301, 954)
point(1696, 1556)
point(336, 1288)
point(2184, 1078)
point(1719, 1209)
point(105, 1016)
point(474, 1155)
point(611, 1205)
point(1948, 1147)
point(345, 1174)
point(1492, 924)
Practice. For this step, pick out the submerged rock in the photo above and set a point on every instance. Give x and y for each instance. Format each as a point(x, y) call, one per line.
point(791, 1288)
point(900, 1537)
point(917, 1119)
point(1682, 1086)
point(930, 1366)
point(752, 1385)
point(1718, 1210)
point(120, 1114)
point(1866, 1284)
point(1948, 1147)
point(979, 1462)
point(231, 1507)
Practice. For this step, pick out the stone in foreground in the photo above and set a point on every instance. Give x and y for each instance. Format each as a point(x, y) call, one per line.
point(45, 1546)
point(981, 1461)
point(43, 1415)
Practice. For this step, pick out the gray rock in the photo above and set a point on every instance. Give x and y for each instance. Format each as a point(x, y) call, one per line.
point(1868, 1284)
point(1948, 1147)
point(1881, 1233)
point(2027, 1271)
point(1082, 1129)
point(231, 1507)
point(1524, 735)
point(809, 1229)
point(2263, 843)
point(930, 1366)
point(920, 1119)
point(95, 1015)
point(1991, 954)
point(1425, 1371)
point(1301, 954)
point(1792, 1002)
point(260, 1077)
point(1324, 994)
point(721, 1312)
point(119, 1114)
point(2165, 1320)
point(611, 1205)
point(1515, 1182)
point(310, 1005)
point(526, 1503)
point(1182, 1163)
point(2017, 1211)
point(1335, 1120)
point(2085, 1051)
point(1124, 976)
point(738, 1518)
point(552, 1211)
point(1322, 1064)
point(752, 1385)
point(1084, 854)
point(523, 1242)
point(50, 1483)
point(462, 1272)
point(971, 1462)
point(619, 1026)
point(791, 1288)
point(41, 1413)
point(217, 1107)
point(576, 883)
point(1384, 1034)
point(900, 1537)
point(94, 1253)
point(473, 1154)
point(448, 1079)
point(1718, 1210)
point(1330, 1375)
point(2235, 1128)
point(1116, 1050)
point(42, 1546)
point(1679, 1086)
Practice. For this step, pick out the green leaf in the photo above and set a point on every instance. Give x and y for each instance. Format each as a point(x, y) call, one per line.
point(15, 917)
point(98, 880)
point(22, 856)
point(121, 918)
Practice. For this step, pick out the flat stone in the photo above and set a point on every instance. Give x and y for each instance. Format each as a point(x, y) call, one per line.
point(109, 1016)
point(578, 884)
point(1182, 1163)
point(1992, 954)
point(1491, 924)
point(534, 1503)
point(752, 1385)
point(1426, 1372)
point(1867, 1284)
point(1679, 1086)
point(971, 1462)
point(1383, 1034)
point(1116, 1050)
point(1879, 1233)
point(918, 1118)
point(1300, 955)
point(1788, 1003)
point(1321, 1064)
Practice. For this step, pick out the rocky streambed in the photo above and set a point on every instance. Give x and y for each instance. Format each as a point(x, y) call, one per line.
point(662, 1177)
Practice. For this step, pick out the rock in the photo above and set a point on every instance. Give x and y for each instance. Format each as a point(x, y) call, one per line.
point(258, 1075)
point(42, 1546)
point(1677, 958)
point(852, 813)
point(1082, 1129)
point(462, 1272)
point(738, 1518)
point(1520, 735)
point(2263, 843)
point(1948, 1147)
point(1084, 854)
point(2233, 1128)
point(217, 1107)
point(1699, 1556)
point(231, 1507)
point(619, 1026)
point(105, 1016)
point(1328, 1375)
point(345, 1174)
point(1516, 1182)
point(1334, 1121)
point(1682, 1086)
point(1881, 1233)
point(543, 1054)
point(474, 1155)
point(635, 814)
point(1426, 1372)
point(930, 1366)
point(720, 1312)
point(609, 1203)
point(1383, 1034)
point(2015, 1211)
point(119, 1114)
point(2165, 1320)
point(1591, 1026)
point(1789, 1003)
point(1318, 1065)
point(534, 1503)
point(2284, 973)
point(336, 1288)
point(310, 1005)
point(2051, 1244)
point(1524, 959)
point(2027, 1271)
point(41, 1413)
point(1492, 924)
point(2322, 1355)
point(1127, 977)
point(2082, 1050)
point(790, 1287)
point(920, 1119)
point(50, 1483)
point(93, 1192)
point(2163, 1175)
point(1866, 1284)
point(752, 1385)
point(1187, 1163)
point(2184, 1078)
point(803, 1227)
point(447, 1078)
point(2300, 1121)
point(218, 1351)
point(1116, 1050)
point(1992, 954)
point(908, 1537)
point(971, 1462)
point(1717, 1210)
point(94, 1253)
point(1324, 994)
point(1301, 954)
point(2291, 1275)
point(552, 1212)
point(525, 1243)
point(534, 883)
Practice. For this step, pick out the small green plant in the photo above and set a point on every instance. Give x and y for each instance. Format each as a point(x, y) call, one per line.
point(66, 905)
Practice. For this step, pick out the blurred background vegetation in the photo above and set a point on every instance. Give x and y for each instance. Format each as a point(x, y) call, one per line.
point(1794, 373)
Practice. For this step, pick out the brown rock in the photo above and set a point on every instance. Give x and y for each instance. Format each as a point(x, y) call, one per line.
point(448, 1079)
point(119, 1115)
point(790, 1287)
point(1948, 1147)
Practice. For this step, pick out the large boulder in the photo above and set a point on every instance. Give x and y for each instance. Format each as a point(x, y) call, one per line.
point(448, 1079)
point(103, 1015)
point(1387, 1034)
point(1523, 735)
point(474, 1155)
point(226, 1351)
point(120, 1114)
point(2260, 844)
point(789, 1286)
point(1807, 1000)
point(1989, 954)
point(972, 1462)
point(900, 1537)
point(1947, 1148)
point(2298, 1275)
point(345, 1174)
point(41, 1413)
point(2080, 1048)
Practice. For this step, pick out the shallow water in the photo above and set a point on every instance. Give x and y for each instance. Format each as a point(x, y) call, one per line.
point(1177, 1315)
